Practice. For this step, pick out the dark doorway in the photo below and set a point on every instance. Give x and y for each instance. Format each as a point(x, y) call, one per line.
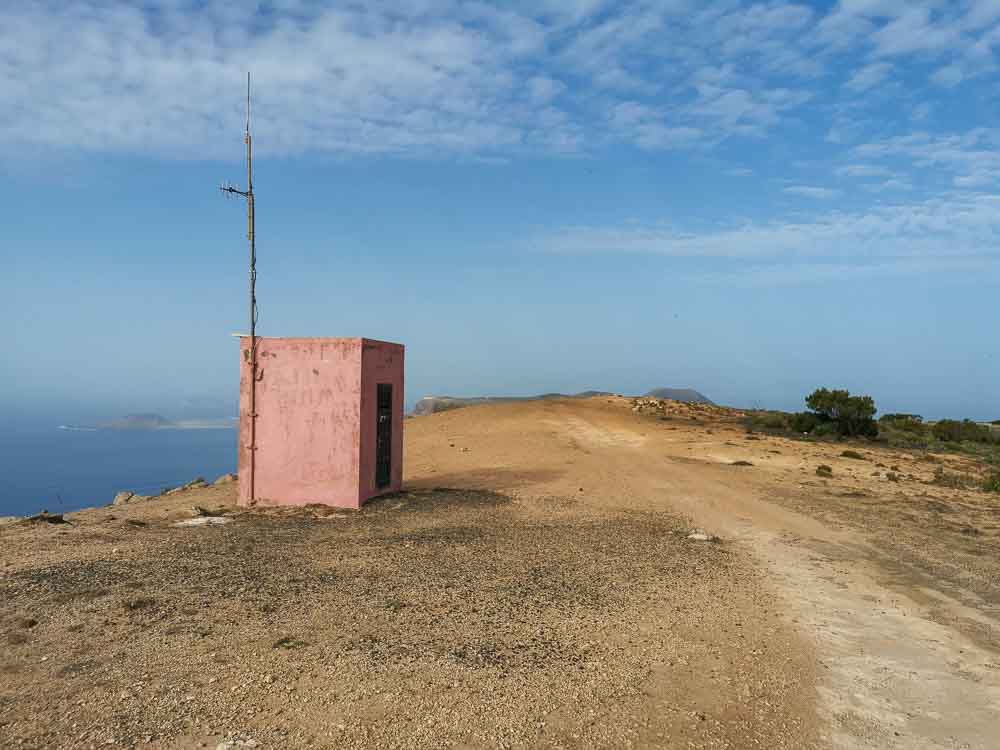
point(383, 435)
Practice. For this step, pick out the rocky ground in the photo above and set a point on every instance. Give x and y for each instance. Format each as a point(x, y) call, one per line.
point(540, 583)
point(433, 618)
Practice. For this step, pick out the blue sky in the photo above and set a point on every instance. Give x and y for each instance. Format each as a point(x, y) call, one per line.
point(750, 198)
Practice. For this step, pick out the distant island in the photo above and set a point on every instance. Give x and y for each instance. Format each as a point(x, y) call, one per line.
point(154, 422)
point(136, 422)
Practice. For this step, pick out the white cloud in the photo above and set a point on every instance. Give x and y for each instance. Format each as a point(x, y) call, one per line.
point(630, 113)
point(963, 32)
point(810, 191)
point(869, 76)
point(544, 89)
point(915, 30)
point(731, 105)
point(740, 111)
point(889, 185)
point(845, 130)
point(981, 13)
point(841, 30)
point(827, 273)
point(102, 78)
point(853, 22)
point(973, 158)
point(434, 75)
point(956, 233)
point(975, 180)
point(862, 170)
point(444, 77)
point(948, 76)
point(657, 136)
point(645, 126)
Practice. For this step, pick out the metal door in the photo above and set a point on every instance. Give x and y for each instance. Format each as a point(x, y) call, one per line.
point(383, 435)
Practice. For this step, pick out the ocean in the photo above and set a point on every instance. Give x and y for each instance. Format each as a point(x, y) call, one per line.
point(60, 470)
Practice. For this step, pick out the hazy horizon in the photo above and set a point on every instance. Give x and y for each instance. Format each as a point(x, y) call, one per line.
point(753, 200)
point(54, 415)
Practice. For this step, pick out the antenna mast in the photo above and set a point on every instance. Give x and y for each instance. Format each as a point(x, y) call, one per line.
point(251, 355)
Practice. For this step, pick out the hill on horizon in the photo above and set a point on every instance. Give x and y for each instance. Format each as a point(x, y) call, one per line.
point(434, 404)
point(687, 395)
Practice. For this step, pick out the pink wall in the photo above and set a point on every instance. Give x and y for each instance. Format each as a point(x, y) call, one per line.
point(308, 430)
point(381, 362)
point(316, 420)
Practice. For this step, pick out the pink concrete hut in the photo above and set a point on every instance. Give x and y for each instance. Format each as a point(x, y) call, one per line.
point(329, 424)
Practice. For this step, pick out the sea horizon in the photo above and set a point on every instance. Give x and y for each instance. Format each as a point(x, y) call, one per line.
point(62, 468)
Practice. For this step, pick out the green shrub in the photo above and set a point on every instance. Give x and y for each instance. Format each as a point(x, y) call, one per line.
point(992, 482)
point(824, 471)
point(771, 420)
point(901, 418)
point(943, 478)
point(912, 423)
point(804, 421)
point(825, 429)
point(853, 416)
point(853, 454)
point(905, 438)
point(953, 431)
point(776, 422)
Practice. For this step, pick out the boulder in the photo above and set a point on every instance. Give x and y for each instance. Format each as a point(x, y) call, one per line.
point(225, 479)
point(127, 498)
point(123, 497)
point(700, 535)
point(203, 521)
point(236, 744)
point(194, 484)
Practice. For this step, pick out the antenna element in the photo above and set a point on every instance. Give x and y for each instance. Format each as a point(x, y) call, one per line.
point(251, 355)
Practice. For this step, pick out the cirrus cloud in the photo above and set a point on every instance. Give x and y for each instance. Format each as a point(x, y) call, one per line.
point(442, 76)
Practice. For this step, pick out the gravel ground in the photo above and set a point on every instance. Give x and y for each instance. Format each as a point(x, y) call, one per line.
point(433, 618)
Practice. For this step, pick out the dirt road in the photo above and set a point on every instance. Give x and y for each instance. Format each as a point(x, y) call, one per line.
point(895, 585)
point(536, 585)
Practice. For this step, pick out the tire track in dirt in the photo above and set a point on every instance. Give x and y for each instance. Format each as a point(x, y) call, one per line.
point(892, 671)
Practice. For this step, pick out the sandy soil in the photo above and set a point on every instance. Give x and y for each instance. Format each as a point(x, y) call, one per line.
point(535, 586)
point(895, 584)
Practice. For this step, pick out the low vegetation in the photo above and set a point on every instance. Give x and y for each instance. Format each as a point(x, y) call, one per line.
point(944, 478)
point(992, 482)
point(850, 416)
point(838, 415)
point(953, 431)
point(832, 413)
